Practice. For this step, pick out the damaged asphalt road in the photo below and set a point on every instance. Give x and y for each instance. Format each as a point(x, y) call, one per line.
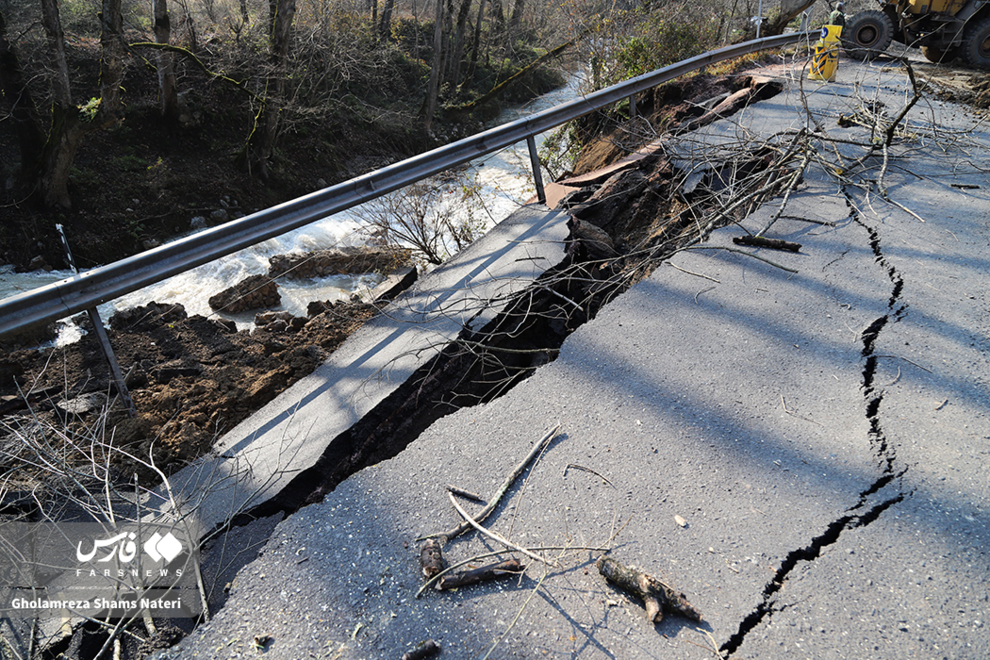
point(823, 436)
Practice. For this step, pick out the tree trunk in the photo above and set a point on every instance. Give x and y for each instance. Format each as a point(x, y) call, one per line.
point(111, 63)
point(446, 47)
point(52, 23)
point(244, 12)
point(498, 15)
point(454, 72)
point(385, 27)
point(261, 144)
point(23, 112)
point(433, 89)
point(517, 13)
point(789, 10)
point(66, 129)
point(499, 88)
point(187, 22)
point(415, 14)
point(60, 151)
point(475, 45)
point(166, 70)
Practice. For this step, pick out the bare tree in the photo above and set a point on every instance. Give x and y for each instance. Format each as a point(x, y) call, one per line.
point(66, 128)
point(166, 71)
point(385, 26)
point(422, 217)
point(475, 44)
point(23, 112)
point(111, 62)
point(454, 70)
point(433, 88)
point(498, 15)
point(262, 140)
point(190, 25)
point(517, 13)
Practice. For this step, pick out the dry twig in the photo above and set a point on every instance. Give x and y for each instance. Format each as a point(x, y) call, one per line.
point(493, 502)
point(495, 537)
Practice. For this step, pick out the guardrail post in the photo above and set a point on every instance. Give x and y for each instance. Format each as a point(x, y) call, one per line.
point(632, 106)
point(101, 335)
point(534, 158)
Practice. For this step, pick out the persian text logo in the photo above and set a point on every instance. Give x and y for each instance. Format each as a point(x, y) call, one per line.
point(158, 547)
point(126, 550)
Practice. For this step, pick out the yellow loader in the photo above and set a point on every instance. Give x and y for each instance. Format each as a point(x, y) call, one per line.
point(943, 29)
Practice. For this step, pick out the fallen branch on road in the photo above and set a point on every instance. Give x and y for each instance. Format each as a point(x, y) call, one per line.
point(743, 252)
point(495, 537)
point(431, 558)
point(657, 596)
point(502, 569)
point(772, 243)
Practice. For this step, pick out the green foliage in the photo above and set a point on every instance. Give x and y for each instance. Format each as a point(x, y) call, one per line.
point(671, 43)
point(84, 178)
point(79, 16)
point(135, 228)
point(559, 150)
point(130, 163)
point(648, 39)
point(661, 41)
point(89, 109)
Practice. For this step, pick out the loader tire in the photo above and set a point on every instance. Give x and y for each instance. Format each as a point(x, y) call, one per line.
point(976, 44)
point(939, 55)
point(867, 34)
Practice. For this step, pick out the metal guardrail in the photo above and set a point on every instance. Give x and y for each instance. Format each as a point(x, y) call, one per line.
point(99, 285)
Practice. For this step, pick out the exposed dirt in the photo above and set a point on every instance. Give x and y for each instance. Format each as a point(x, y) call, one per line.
point(980, 86)
point(665, 106)
point(191, 378)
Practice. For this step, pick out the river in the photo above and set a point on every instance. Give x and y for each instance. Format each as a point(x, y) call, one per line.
point(501, 182)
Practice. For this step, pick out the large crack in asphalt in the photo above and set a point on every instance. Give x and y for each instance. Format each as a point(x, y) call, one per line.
point(855, 516)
